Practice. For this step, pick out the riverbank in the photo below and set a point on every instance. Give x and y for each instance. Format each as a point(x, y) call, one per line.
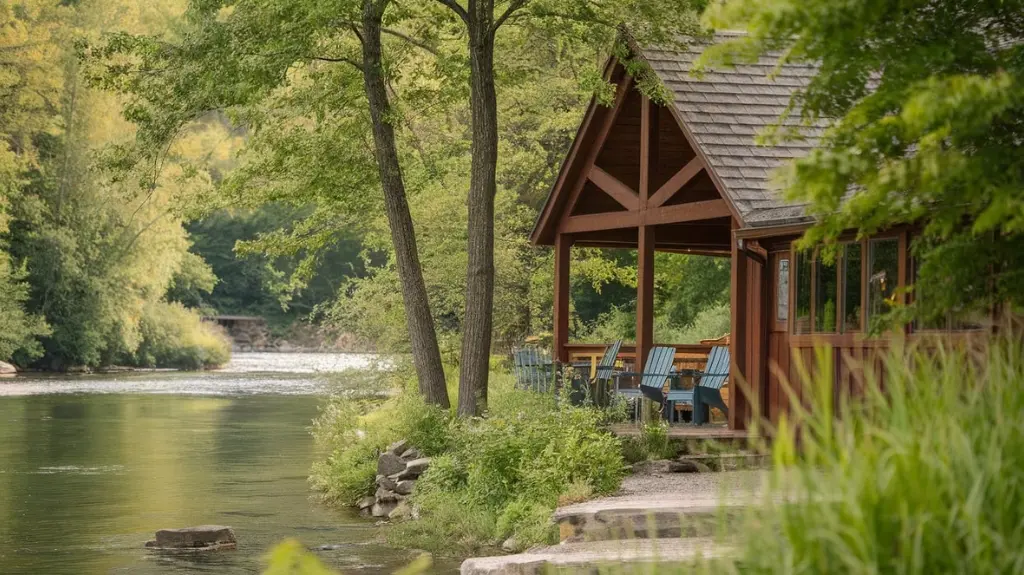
point(492, 482)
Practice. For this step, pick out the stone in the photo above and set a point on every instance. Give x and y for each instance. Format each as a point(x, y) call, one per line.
point(404, 487)
point(387, 483)
point(510, 545)
point(414, 468)
point(402, 511)
point(385, 496)
point(330, 547)
point(367, 502)
point(652, 467)
point(389, 464)
point(398, 447)
point(410, 454)
point(383, 509)
point(684, 466)
point(7, 370)
point(201, 537)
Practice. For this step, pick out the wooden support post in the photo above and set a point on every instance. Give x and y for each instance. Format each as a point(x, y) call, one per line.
point(561, 320)
point(644, 295)
point(738, 340)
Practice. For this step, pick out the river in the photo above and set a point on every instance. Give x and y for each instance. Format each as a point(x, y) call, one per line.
point(91, 466)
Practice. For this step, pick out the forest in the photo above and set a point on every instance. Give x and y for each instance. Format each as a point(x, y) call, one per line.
point(130, 208)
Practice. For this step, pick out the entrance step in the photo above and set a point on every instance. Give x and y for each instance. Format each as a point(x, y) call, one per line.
point(637, 556)
point(646, 517)
point(728, 461)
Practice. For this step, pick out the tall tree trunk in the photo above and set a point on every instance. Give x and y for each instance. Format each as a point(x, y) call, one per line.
point(425, 353)
point(477, 324)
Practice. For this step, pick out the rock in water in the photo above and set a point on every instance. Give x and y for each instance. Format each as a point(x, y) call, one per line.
point(383, 509)
point(7, 370)
point(202, 538)
point(367, 502)
point(389, 464)
point(415, 468)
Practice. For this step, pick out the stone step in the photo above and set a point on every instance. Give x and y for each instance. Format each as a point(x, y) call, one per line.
point(646, 517)
point(728, 461)
point(639, 556)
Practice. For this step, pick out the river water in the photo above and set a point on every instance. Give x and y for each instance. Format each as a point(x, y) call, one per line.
point(91, 466)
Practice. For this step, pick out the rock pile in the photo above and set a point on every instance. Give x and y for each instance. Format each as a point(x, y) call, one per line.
point(398, 468)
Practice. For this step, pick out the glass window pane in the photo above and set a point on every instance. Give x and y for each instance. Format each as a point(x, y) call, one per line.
point(851, 288)
point(782, 291)
point(825, 295)
point(883, 275)
point(802, 320)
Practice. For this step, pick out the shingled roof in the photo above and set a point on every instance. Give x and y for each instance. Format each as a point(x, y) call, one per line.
point(725, 109)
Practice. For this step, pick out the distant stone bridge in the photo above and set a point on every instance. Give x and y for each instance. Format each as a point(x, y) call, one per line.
point(248, 332)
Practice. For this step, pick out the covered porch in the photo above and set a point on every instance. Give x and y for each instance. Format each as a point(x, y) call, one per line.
point(636, 179)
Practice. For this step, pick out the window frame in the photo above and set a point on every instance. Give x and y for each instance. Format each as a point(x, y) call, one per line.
point(903, 265)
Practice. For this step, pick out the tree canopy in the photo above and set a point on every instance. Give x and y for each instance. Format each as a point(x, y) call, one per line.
point(925, 105)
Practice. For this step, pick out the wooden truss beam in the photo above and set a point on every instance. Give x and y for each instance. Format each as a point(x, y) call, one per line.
point(679, 213)
point(676, 182)
point(612, 186)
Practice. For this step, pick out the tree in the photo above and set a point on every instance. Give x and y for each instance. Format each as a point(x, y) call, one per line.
point(924, 100)
point(236, 58)
point(653, 21)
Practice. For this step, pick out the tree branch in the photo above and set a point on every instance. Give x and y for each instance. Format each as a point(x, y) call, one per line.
point(419, 44)
point(455, 7)
point(514, 6)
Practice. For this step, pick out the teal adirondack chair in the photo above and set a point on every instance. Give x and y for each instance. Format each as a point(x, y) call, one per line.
point(606, 369)
point(533, 369)
point(657, 369)
point(603, 375)
point(708, 390)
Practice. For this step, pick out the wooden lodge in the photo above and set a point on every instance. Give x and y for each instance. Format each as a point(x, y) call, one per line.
point(688, 177)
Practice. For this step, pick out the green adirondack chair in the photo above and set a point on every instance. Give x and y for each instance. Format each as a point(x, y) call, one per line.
point(533, 369)
point(708, 390)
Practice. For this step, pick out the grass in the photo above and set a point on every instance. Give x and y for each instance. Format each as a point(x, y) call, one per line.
point(924, 474)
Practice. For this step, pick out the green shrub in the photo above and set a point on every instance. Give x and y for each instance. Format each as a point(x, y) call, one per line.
point(353, 431)
point(924, 475)
point(653, 442)
point(491, 478)
point(174, 336)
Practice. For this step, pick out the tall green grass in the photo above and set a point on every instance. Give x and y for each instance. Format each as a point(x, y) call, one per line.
point(923, 474)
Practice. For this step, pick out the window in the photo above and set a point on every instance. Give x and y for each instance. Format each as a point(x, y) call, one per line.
point(883, 275)
point(782, 293)
point(851, 287)
point(830, 296)
point(802, 321)
point(825, 296)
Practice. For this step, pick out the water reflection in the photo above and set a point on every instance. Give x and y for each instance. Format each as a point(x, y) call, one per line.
point(86, 478)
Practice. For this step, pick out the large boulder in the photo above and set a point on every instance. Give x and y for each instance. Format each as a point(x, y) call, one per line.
point(386, 483)
point(414, 468)
point(404, 487)
point(7, 370)
point(389, 464)
point(203, 537)
point(399, 447)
